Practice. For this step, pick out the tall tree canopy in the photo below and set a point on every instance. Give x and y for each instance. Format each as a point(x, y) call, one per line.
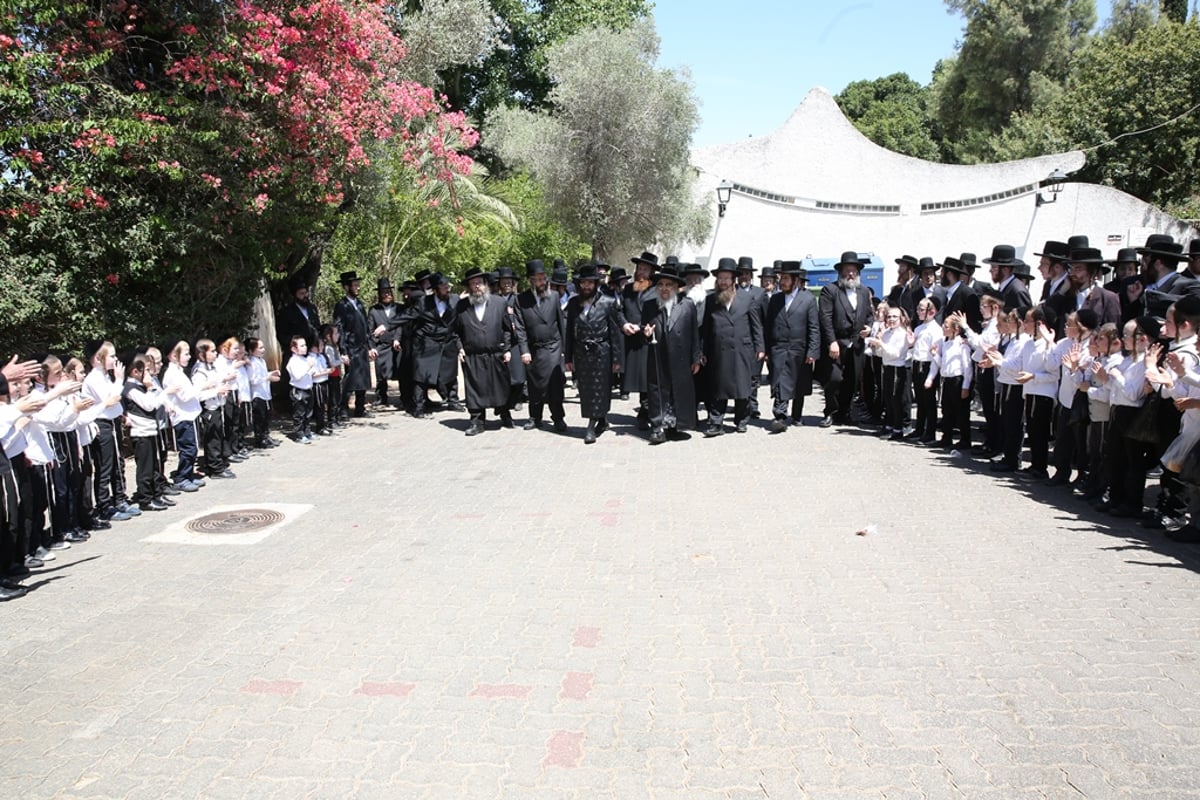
point(613, 153)
point(893, 112)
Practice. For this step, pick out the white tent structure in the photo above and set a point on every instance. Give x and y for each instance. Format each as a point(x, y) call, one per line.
point(818, 187)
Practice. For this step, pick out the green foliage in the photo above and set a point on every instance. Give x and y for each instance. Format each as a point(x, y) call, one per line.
point(1014, 54)
point(1175, 10)
point(893, 112)
point(613, 154)
point(1116, 91)
point(1129, 17)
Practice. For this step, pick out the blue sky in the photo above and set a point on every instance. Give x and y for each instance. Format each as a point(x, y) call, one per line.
point(752, 61)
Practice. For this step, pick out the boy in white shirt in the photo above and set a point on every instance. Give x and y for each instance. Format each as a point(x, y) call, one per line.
point(300, 375)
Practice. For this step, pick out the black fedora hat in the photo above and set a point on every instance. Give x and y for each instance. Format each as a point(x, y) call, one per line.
point(1021, 269)
point(1086, 255)
point(694, 269)
point(421, 275)
point(926, 263)
point(672, 261)
point(348, 277)
point(1156, 242)
point(1004, 255)
point(410, 286)
point(1058, 251)
point(383, 285)
point(991, 291)
point(1077, 242)
point(559, 264)
point(969, 263)
point(1170, 252)
point(954, 265)
point(646, 258)
point(792, 268)
point(1126, 255)
point(534, 267)
point(475, 272)
point(745, 264)
point(1193, 248)
point(506, 272)
point(616, 274)
point(911, 261)
point(668, 272)
point(558, 276)
point(726, 265)
point(849, 259)
point(588, 272)
point(438, 279)
point(766, 272)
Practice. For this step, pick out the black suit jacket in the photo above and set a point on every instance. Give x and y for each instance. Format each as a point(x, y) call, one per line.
point(839, 322)
point(966, 300)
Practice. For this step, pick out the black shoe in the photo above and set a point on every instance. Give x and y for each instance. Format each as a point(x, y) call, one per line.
point(225, 473)
point(590, 436)
point(506, 420)
point(1036, 473)
point(713, 430)
point(235, 458)
point(560, 426)
point(826, 422)
point(740, 427)
point(658, 437)
point(677, 435)
point(11, 594)
point(532, 425)
point(166, 501)
point(171, 490)
point(75, 537)
point(601, 425)
point(19, 571)
point(154, 505)
point(475, 428)
point(1125, 512)
point(895, 436)
point(779, 426)
point(455, 407)
point(100, 525)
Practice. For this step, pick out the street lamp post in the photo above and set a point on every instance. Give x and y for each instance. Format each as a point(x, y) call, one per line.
point(1053, 184)
point(724, 192)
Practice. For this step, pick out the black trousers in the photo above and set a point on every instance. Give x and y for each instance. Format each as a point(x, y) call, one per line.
point(1070, 441)
point(956, 412)
point(872, 387)
point(12, 548)
point(302, 412)
point(718, 408)
point(145, 459)
point(985, 382)
point(211, 424)
point(321, 418)
point(1127, 461)
point(1012, 422)
point(260, 411)
point(42, 501)
point(842, 383)
point(230, 426)
point(1039, 411)
point(895, 396)
point(926, 401)
point(23, 476)
point(109, 462)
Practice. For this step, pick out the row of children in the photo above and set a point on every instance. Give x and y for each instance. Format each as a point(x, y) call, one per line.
point(1103, 404)
point(62, 426)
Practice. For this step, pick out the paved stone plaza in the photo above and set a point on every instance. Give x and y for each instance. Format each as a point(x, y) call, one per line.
point(520, 616)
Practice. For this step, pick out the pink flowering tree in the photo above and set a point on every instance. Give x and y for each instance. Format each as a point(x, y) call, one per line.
point(163, 158)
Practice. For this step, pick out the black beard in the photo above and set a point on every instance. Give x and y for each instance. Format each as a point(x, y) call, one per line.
point(542, 293)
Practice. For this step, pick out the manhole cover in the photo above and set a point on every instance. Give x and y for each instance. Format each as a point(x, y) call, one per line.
point(242, 520)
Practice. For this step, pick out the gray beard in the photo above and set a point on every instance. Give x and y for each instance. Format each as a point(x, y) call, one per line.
point(480, 297)
point(849, 283)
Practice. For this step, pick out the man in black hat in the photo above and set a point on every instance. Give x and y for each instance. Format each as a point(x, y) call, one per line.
point(350, 316)
point(435, 348)
point(297, 318)
point(1011, 288)
point(732, 338)
point(1125, 268)
point(958, 296)
point(485, 334)
point(560, 283)
point(385, 322)
point(616, 280)
point(544, 325)
point(768, 279)
point(1084, 291)
point(507, 289)
point(792, 335)
point(745, 283)
point(906, 270)
point(1155, 289)
point(672, 357)
point(424, 279)
point(845, 312)
point(633, 298)
point(924, 286)
point(970, 264)
point(595, 348)
point(1190, 276)
point(1053, 268)
point(413, 296)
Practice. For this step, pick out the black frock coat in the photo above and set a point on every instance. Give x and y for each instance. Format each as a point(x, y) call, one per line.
point(545, 325)
point(594, 344)
point(732, 337)
point(435, 345)
point(387, 360)
point(670, 356)
point(350, 316)
point(793, 335)
point(485, 342)
point(635, 345)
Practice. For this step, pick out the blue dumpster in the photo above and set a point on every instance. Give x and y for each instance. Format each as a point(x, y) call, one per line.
point(821, 271)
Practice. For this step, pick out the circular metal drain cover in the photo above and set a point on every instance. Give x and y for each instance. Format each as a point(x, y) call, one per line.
point(243, 520)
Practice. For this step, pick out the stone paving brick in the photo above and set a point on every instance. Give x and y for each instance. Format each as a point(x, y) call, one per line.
point(700, 642)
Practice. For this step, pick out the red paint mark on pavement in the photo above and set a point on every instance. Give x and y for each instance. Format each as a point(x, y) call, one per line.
point(512, 691)
point(614, 503)
point(387, 689)
point(577, 685)
point(586, 637)
point(564, 749)
point(466, 515)
point(277, 688)
point(609, 519)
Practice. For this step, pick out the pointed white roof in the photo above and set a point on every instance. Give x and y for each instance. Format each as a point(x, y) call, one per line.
point(819, 155)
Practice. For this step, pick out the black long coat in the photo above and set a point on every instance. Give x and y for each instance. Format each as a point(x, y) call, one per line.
point(485, 342)
point(435, 345)
point(516, 321)
point(291, 321)
point(350, 316)
point(631, 302)
point(671, 354)
point(545, 326)
point(594, 344)
point(793, 335)
point(732, 339)
point(387, 360)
